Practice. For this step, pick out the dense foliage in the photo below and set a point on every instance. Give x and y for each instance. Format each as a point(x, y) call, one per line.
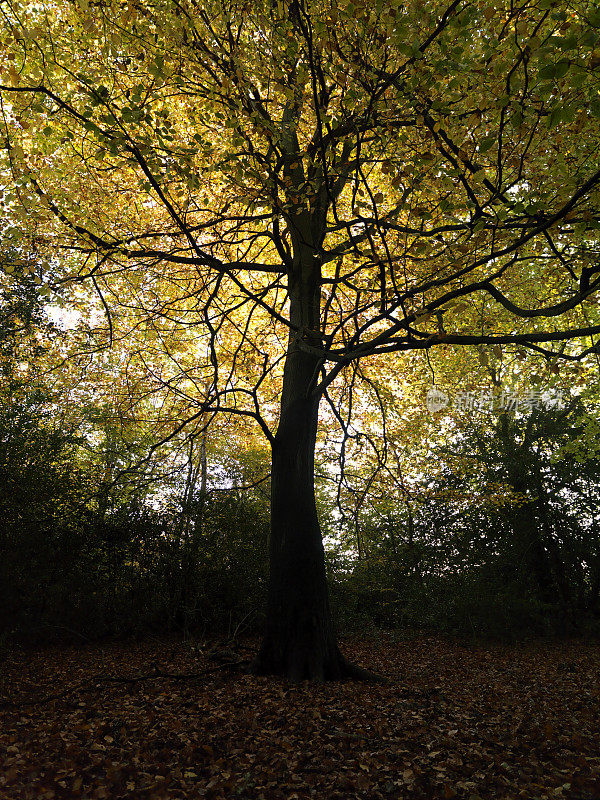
point(244, 211)
point(506, 546)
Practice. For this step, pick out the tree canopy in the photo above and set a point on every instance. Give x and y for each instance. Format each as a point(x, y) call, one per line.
point(261, 196)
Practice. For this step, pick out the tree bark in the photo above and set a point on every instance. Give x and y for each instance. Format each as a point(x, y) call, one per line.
point(299, 640)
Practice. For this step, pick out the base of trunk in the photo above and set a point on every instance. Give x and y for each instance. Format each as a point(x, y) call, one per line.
point(298, 664)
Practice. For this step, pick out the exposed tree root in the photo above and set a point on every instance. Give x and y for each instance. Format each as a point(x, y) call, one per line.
point(356, 673)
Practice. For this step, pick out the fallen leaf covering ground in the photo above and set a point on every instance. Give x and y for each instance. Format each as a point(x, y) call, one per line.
point(454, 721)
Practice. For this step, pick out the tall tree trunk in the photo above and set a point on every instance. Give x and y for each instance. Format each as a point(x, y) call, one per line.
point(299, 641)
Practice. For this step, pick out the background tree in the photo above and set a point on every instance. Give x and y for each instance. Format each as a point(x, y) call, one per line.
point(262, 196)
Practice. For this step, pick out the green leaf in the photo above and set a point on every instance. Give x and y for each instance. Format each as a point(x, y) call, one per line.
point(404, 48)
point(547, 72)
point(569, 43)
point(561, 69)
point(555, 117)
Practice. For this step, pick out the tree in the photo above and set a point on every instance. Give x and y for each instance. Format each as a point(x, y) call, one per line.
point(554, 526)
point(263, 194)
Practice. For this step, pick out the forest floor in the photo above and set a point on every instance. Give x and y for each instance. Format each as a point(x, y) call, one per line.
point(454, 721)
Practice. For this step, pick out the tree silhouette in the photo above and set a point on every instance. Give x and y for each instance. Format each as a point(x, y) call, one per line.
point(262, 194)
